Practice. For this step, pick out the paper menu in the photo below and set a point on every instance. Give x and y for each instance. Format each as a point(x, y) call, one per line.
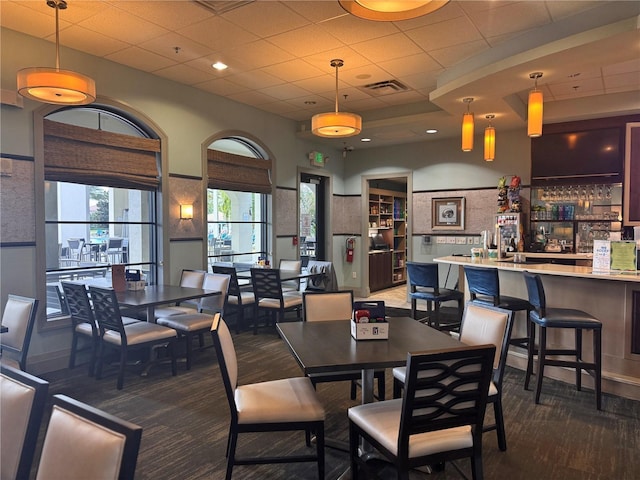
point(601, 255)
point(623, 256)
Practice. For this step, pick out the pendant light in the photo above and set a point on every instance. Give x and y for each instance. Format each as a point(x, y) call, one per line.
point(52, 85)
point(534, 116)
point(489, 140)
point(467, 127)
point(336, 124)
point(391, 11)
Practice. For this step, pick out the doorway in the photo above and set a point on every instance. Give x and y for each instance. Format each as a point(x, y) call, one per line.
point(312, 229)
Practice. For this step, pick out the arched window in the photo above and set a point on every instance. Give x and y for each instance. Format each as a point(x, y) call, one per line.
point(239, 181)
point(101, 180)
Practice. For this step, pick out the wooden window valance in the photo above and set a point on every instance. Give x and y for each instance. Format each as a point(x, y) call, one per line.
point(95, 157)
point(227, 171)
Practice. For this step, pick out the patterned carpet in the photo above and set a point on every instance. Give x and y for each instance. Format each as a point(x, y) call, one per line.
point(185, 421)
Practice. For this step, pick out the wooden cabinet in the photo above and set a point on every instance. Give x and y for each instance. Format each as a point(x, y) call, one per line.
point(388, 219)
point(380, 271)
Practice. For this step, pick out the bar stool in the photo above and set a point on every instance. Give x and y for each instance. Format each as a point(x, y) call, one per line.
point(425, 285)
point(561, 318)
point(484, 287)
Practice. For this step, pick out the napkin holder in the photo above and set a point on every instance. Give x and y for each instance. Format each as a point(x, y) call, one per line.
point(377, 328)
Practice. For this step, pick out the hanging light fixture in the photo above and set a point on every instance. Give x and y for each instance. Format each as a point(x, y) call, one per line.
point(467, 127)
point(336, 124)
point(489, 140)
point(534, 116)
point(52, 85)
point(391, 11)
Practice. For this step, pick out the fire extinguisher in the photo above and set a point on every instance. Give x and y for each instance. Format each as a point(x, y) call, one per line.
point(351, 245)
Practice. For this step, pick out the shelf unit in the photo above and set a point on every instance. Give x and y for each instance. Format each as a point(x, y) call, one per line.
point(575, 215)
point(388, 217)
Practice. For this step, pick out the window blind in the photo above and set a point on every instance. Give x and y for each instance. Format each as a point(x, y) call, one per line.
point(227, 171)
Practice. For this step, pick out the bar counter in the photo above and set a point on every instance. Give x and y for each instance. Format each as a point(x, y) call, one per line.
point(613, 298)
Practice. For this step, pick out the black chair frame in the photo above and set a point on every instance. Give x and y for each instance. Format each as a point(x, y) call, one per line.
point(79, 307)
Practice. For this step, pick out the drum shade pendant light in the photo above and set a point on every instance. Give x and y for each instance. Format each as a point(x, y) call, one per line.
point(391, 10)
point(534, 116)
point(336, 124)
point(489, 141)
point(467, 127)
point(52, 85)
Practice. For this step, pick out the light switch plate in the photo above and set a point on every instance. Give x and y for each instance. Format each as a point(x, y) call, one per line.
point(451, 240)
point(441, 239)
point(461, 240)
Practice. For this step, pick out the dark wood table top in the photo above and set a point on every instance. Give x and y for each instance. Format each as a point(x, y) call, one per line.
point(161, 294)
point(321, 347)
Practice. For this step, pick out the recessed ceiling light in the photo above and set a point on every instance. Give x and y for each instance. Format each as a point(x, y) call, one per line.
point(432, 130)
point(219, 66)
point(365, 139)
point(309, 102)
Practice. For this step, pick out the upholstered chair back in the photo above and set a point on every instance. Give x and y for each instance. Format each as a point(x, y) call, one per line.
point(19, 316)
point(322, 306)
point(215, 281)
point(482, 325)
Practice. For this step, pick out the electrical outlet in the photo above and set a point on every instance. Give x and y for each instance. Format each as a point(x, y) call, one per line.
point(353, 275)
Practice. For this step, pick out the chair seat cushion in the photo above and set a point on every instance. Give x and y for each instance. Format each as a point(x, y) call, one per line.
point(443, 295)
point(400, 374)
point(381, 420)
point(84, 328)
point(173, 310)
point(508, 303)
point(566, 318)
point(289, 300)
point(140, 332)
point(187, 322)
point(286, 400)
point(246, 297)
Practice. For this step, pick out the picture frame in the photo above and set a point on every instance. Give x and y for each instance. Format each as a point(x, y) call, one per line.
point(447, 213)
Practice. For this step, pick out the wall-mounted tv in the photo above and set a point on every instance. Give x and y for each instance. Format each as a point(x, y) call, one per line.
point(597, 154)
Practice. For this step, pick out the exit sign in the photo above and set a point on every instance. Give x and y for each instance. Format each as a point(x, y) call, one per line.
point(316, 159)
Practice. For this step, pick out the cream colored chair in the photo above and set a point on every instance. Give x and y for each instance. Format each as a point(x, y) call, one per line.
point(189, 278)
point(290, 267)
point(482, 324)
point(18, 317)
point(22, 401)
point(325, 306)
point(288, 404)
point(439, 418)
point(190, 324)
point(82, 442)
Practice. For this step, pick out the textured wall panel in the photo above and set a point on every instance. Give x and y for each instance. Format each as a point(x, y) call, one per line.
point(186, 191)
point(285, 216)
point(346, 215)
point(17, 222)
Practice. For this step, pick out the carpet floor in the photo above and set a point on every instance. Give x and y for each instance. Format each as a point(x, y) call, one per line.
point(185, 420)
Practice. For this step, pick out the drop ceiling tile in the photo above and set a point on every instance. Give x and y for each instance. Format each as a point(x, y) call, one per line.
point(317, 11)
point(89, 41)
point(622, 81)
point(21, 17)
point(450, 56)
point(259, 54)
point(116, 23)
point(623, 67)
point(444, 34)
point(306, 41)
point(410, 65)
point(251, 97)
point(322, 83)
point(284, 91)
point(221, 86)
point(421, 81)
point(255, 79)
point(364, 75)
point(178, 14)
point(387, 48)
point(217, 34)
point(583, 86)
point(402, 98)
point(351, 58)
point(141, 59)
point(165, 45)
point(448, 12)
point(293, 70)
point(204, 64)
point(184, 74)
point(510, 18)
point(266, 18)
point(350, 29)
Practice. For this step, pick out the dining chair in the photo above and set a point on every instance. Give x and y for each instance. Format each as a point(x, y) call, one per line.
point(561, 318)
point(288, 404)
point(114, 252)
point(114, 334)
point(481, 325)
point(19, 316)
point(56, 306)
point(238, 298)
point(83, 323)
point(74, 253)
point(269, 297)
point(326, 306)
point(188, 325)
point(288, 267)
point(188, 278)
point(325, 279)
point(22, 401)
point(83, 442)
point(440, 417)
point(484, 287)
point(424, 284)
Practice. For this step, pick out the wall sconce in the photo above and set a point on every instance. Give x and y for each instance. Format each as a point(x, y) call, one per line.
point(489, 141)
point(186, 212)
point(534, 114)
point(467, 127)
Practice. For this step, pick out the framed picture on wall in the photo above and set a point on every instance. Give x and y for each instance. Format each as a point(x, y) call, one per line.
point(447, 213)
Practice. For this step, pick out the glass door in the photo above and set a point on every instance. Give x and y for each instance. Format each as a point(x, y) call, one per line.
point(312, 228)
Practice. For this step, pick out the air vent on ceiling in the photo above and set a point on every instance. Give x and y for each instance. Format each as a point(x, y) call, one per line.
point(386, 87)
point(220, 7)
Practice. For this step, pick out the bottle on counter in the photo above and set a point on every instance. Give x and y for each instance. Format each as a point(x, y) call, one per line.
point(511, 247)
